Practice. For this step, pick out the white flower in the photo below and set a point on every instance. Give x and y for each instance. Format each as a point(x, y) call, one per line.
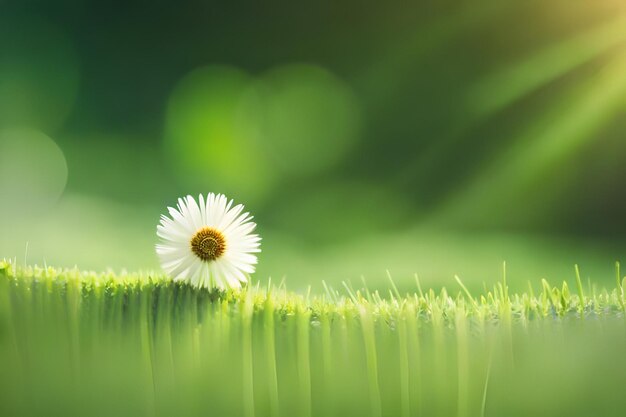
point(208, 244)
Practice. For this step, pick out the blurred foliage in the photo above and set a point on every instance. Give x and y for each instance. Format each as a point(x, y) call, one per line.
point(429, 137)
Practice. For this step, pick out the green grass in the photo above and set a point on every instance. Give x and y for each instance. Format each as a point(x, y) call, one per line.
point(136, 344)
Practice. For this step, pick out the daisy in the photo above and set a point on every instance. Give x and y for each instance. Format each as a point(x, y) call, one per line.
point(208, 243)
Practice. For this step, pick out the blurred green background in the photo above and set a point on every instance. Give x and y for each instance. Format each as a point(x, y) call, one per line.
point(430, 137)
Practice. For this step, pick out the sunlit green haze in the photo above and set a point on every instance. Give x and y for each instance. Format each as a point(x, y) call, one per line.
point(75, 343)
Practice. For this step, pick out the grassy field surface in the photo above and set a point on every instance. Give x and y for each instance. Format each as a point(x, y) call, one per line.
point(137, 344)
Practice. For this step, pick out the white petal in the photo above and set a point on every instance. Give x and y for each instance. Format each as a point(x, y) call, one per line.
point(229, 217)
point(202, 204)
point(229, 274)
point(205, 277)
point(219, 210)
point(194, 212)
point(178, 217)
point(194, 273)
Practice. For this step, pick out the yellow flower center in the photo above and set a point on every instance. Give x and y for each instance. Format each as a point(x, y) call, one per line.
point(208, 244)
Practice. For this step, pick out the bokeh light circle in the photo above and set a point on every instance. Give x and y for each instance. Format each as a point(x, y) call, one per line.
point(33, 170)
point(207, 138)
point(307, 119)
